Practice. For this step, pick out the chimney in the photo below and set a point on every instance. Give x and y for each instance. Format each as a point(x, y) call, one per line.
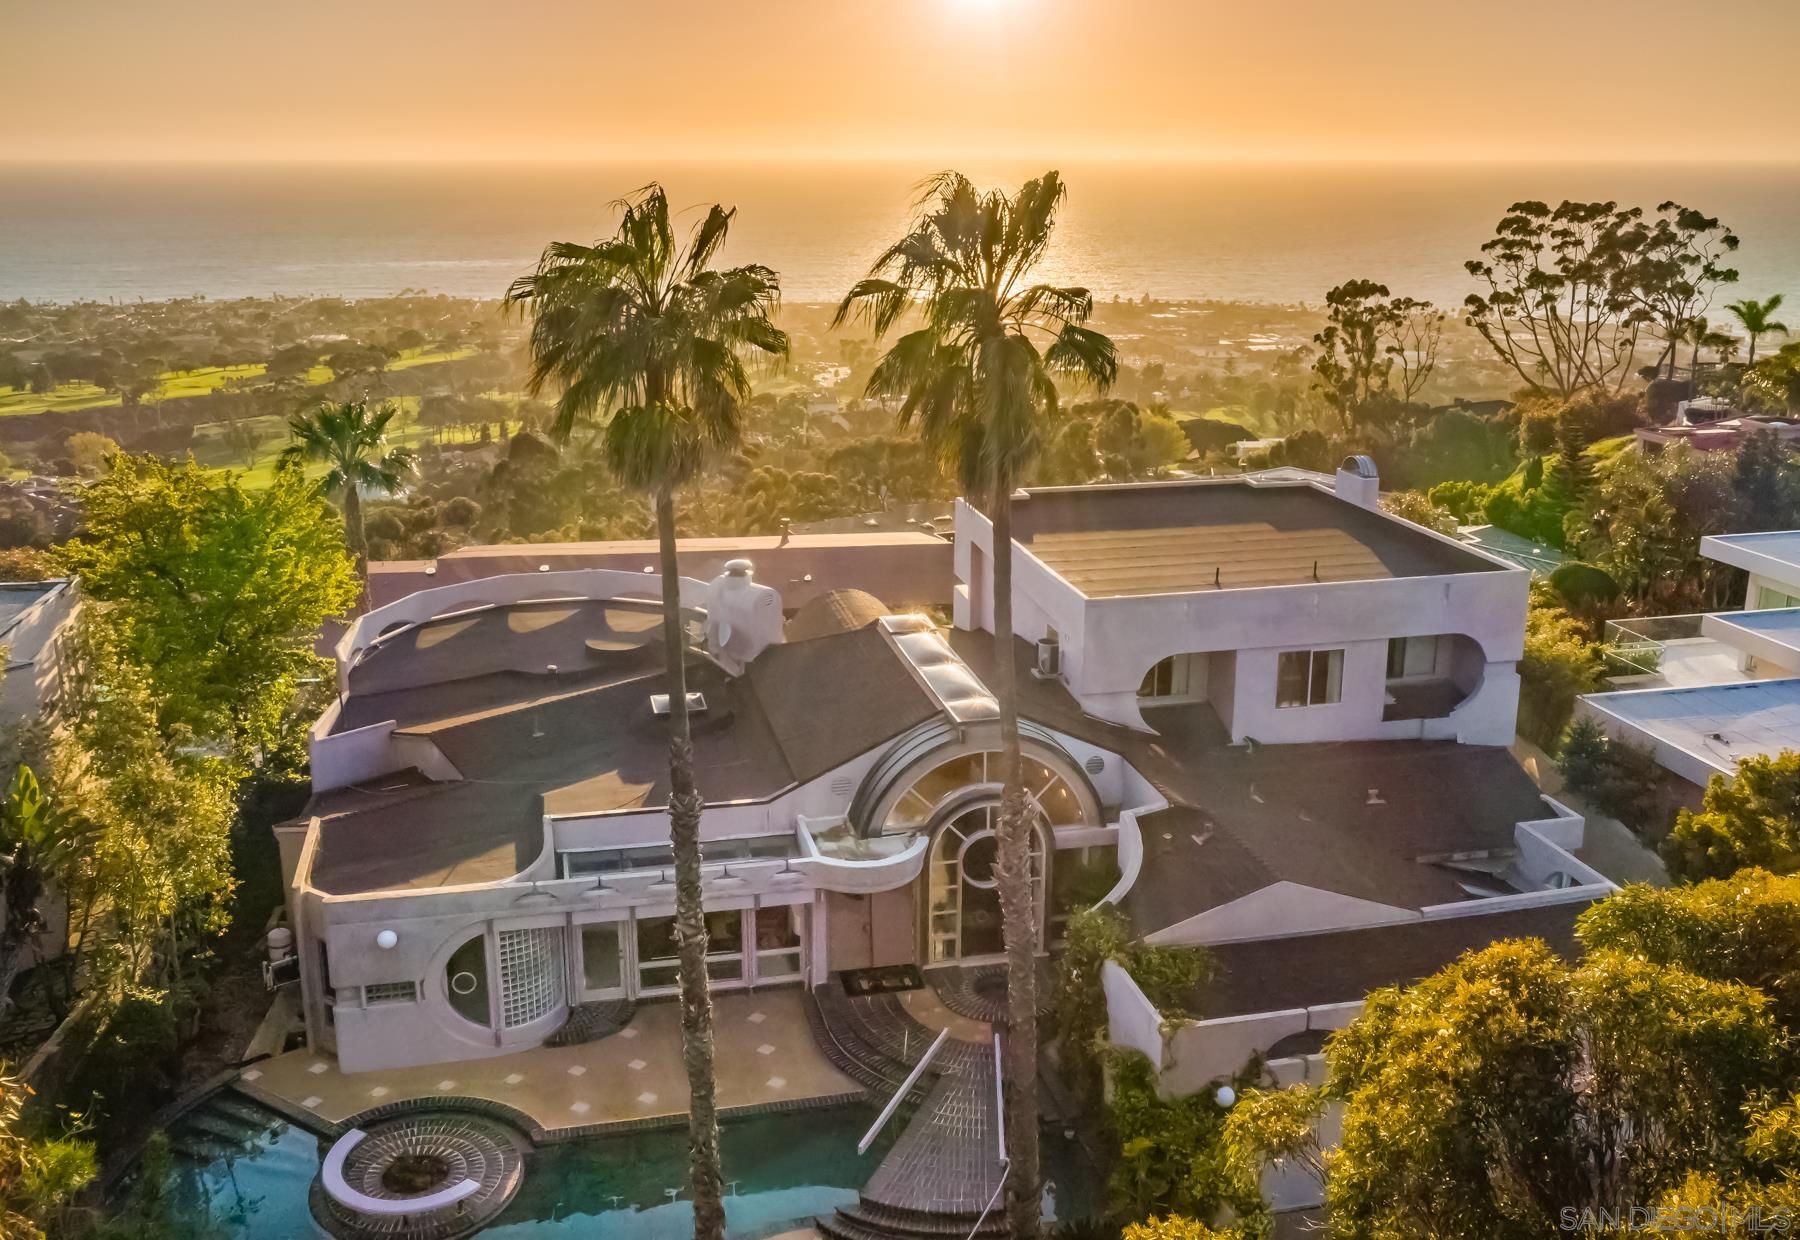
point(1358, 482)
point(742, 618)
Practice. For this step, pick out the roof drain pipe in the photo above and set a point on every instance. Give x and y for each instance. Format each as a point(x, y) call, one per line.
point(1000, 1139)
point(887, 1112)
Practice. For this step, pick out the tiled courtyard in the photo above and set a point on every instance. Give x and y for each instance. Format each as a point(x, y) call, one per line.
point(765, 1055)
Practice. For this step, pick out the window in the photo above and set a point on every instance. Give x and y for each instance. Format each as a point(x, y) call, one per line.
point(658, 955)
point(777, 943)
point(1309, 677)
point(531, 974)
point(1411, 657)
point(1173, 677)
point(580, 862)
point(601, 957)
point(390, 992)
point(466, 978)
point(1767, 598)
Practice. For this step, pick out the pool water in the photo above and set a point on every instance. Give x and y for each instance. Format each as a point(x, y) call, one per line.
point(242, 1173)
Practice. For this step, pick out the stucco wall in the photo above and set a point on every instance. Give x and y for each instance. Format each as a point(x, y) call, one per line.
point(1109, 643)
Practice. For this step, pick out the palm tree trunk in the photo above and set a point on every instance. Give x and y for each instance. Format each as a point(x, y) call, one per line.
point(705, 1175)
point(1018, 911)
point(1751, 359)
point(357, 540)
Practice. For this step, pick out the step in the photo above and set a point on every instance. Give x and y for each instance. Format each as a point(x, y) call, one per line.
point(877, 1217)
point(840, 1032)
point(225, 1126)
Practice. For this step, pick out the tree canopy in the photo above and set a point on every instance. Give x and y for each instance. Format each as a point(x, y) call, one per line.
point(1511, 1086)
point(215, 592)
point(1751, 820)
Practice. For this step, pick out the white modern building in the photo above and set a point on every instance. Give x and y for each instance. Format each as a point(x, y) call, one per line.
point(1242, 702)
point(1714, 689)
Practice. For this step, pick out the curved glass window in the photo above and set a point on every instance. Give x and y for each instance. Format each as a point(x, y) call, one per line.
point(1052, 793)
point(963, 897)
point(466, 980)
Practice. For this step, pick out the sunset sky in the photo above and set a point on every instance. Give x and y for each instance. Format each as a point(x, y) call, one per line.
point(875, 79)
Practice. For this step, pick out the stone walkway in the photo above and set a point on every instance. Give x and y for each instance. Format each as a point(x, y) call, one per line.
point(765, 1056)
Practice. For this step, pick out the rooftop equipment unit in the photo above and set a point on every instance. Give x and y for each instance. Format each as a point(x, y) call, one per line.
point(1049, 659)
point(659, 703)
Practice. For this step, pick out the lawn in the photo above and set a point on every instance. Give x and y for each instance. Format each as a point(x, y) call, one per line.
point(71, 397)
point(211, 447)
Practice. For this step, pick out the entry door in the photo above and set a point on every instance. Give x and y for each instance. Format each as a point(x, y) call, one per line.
point(603, 960)
point(847, 932)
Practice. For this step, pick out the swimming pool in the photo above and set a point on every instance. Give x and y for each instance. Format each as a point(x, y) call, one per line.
point(242, 1173)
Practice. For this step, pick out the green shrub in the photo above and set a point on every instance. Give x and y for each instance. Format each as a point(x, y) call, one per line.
point(1560, 664)
point(1168, 976)
point(1172, 1158)
point(1620, 779)
point(1753, 820)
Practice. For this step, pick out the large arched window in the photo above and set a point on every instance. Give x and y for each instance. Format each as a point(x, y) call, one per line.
point(962, 899)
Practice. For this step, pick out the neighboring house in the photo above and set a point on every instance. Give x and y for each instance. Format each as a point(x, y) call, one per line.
point(35, 617)
point(487, 845)
point(1714, 689)
point(901, 565)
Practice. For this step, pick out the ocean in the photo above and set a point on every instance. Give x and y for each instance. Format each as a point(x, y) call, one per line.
point(1240, 232)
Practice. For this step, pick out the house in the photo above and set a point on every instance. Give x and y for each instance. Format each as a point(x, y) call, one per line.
point(1296, 609)
point(1711, 690)
point(1258, 707)
point(35, 618)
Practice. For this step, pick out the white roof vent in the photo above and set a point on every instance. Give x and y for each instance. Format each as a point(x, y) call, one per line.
point(1360, 465)
point(743, 618)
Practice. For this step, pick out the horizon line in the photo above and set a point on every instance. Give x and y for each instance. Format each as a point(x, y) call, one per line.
point(872, 161)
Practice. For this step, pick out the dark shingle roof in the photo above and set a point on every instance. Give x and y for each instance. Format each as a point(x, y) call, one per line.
point(832, 699)
point(1271, 975)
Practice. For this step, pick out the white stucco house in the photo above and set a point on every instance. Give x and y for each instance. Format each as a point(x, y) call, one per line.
point(1297, 609)
point(1269, 709)
point(1714, 689)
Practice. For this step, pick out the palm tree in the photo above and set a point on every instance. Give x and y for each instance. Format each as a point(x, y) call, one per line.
point(640, 331)
point(1702, 335)
point(1757, 318)
point(352, 441)
point(977, 378)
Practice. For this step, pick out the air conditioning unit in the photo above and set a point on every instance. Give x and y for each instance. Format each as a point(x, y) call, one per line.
point(1049, 659)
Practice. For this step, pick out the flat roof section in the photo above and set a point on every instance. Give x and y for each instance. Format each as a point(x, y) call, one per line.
point(1198, 536)
point(1718, 725)
point(1774, 554)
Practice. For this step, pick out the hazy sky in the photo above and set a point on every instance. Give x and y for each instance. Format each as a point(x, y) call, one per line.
point(872, 79)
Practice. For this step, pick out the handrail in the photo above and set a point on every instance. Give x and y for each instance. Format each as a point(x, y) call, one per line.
point(887, 1112)
point(1000, 1136)
point(999, 1101)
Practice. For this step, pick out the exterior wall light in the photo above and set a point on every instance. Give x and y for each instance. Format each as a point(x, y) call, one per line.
point(386, 939)
point(1226, 1096)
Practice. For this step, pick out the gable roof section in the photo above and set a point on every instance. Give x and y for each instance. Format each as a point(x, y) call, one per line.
point(832, 699)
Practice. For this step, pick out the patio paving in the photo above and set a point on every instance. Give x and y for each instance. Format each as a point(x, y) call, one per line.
point(765, 1055)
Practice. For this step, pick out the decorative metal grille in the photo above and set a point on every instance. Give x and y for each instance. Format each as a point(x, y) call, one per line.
point(390, 992)
point(531, 974)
